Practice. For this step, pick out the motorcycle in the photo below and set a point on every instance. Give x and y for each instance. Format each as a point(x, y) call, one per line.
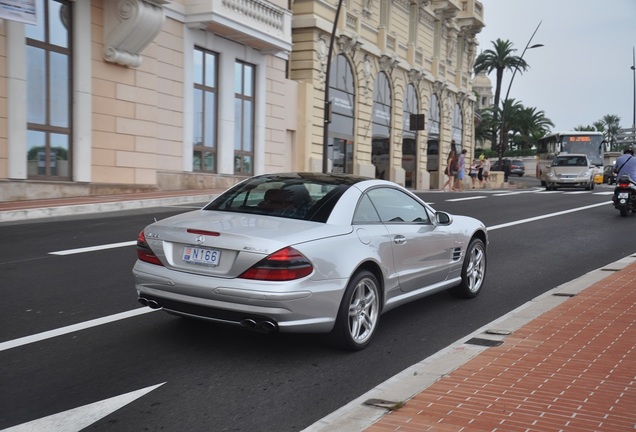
point(625, 195)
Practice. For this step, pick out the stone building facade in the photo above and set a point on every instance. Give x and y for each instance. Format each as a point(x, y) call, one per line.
point(393, 60)
point(104, 96)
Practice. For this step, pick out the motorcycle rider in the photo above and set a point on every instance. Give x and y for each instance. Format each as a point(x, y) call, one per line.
point(626, 164)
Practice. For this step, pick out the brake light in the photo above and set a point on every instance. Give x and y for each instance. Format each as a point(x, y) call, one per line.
point(623, 185)
point(203, 232)
point(283, 265)
point(144, 253)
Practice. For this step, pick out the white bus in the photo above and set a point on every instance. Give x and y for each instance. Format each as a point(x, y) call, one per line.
point(590, 143)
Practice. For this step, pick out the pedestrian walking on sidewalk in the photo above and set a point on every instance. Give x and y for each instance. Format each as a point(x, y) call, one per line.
point(461, 169)
point(450, 171)
point(485, 172)
point(472, 172)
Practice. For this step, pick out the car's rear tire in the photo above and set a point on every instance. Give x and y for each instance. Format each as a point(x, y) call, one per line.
point(473, 270)
point(624, 211)
point(359, 312)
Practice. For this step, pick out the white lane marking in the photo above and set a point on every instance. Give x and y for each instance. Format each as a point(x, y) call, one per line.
point(94, 248)
point(73, 328)
point(466, 199)
point(76, 419)
point(516, 192)
point(604, 193)
point(99, 321)
point(549, 215)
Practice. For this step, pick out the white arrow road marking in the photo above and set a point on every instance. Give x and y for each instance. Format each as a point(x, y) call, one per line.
point(76, 419)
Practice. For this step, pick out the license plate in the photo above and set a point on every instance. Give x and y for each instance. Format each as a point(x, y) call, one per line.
point(623, 195)
point(202, 256)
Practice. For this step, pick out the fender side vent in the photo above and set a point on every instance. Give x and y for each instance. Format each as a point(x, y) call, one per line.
point(457, 254)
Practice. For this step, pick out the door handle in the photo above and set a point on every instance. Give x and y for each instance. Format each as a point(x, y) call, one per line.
point(399, 239)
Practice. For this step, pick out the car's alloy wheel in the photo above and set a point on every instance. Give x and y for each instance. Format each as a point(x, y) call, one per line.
point(359, 312)
point(473, 270)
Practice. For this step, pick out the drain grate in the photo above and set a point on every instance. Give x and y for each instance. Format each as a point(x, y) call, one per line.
point(386, 404)
point(564, 295)
point(484, 342)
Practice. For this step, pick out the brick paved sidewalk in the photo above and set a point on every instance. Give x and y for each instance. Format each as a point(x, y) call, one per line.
point(571, 369)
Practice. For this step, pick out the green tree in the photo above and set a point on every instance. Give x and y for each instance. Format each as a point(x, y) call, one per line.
point(599, 125)
point(612, 126)
point(587, 128)
point(487, 124)
point(531, 122)
point(511, 119)
point(498, 59)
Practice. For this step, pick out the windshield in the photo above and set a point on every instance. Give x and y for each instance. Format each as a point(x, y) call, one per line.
point(570, 161)
point(589, 145)
point(308, 197)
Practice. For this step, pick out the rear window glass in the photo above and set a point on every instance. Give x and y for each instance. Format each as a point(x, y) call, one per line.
point(291, 197)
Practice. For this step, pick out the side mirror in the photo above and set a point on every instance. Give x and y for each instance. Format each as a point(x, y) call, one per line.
point(443, 218)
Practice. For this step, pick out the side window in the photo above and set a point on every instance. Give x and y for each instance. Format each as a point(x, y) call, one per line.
point(365, 213)
point(395, 206)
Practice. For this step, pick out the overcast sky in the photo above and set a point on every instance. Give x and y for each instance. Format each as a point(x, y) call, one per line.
point(583, 71)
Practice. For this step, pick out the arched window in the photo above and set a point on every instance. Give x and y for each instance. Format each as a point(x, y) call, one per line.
point(381, 126)
point(409, 137)
point(457, 132)
point(433, 128)
point(342, 97)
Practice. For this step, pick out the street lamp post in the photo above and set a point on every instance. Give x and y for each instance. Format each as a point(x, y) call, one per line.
point(327, 105)
point(505, 101)
point(634, 73)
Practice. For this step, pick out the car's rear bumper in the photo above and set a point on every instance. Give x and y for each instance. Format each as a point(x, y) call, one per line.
point(299, 306)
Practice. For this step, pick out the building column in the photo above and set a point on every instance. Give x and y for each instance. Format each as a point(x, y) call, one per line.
point(16, 100)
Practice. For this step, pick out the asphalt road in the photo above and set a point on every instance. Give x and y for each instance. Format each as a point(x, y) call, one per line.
point(192, 376)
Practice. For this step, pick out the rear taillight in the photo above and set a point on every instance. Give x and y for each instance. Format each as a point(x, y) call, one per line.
point(144, 253)
point(623, 185)
point(283, 265)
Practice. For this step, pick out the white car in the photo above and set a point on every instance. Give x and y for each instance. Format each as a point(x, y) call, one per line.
point(308, 252)
point(570, 170)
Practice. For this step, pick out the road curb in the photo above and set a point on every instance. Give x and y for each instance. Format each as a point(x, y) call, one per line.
point(358, 414)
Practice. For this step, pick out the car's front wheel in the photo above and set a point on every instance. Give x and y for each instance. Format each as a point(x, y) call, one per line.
point(473, 270)
point(359, 312)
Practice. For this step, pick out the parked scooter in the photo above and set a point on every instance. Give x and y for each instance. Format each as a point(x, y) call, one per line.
point(625, 195)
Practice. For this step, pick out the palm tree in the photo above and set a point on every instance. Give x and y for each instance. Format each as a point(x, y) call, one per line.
point(587, 128)
point(532, 122)
point(487, 124)
point(513, 111)
point(599, 125)
point(612, 124)
point(498, 59)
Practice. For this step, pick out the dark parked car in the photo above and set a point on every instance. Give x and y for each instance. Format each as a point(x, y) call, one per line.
point(609, 176)
point(512, 166)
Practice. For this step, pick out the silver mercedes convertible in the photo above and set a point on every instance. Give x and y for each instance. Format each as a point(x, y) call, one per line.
point(308, 252)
